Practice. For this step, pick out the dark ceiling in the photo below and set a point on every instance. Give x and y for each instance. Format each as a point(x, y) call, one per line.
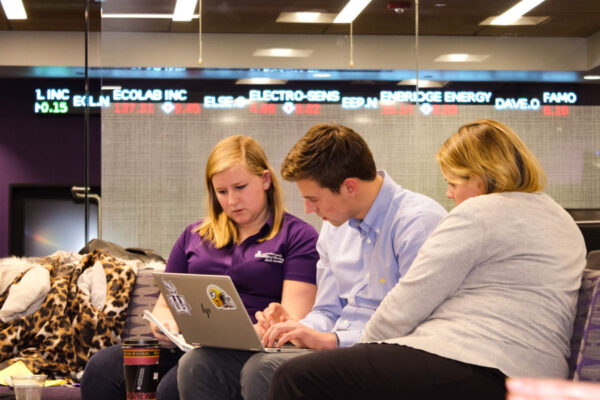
point(567, 18)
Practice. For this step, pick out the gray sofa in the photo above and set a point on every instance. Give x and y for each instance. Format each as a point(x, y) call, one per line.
point(585, 341)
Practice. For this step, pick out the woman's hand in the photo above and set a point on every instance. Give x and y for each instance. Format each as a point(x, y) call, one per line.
point(162, 339)
point(273, 314)
point(163, 314)
point(298, 298)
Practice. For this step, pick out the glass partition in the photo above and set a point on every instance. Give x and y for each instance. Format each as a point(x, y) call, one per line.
point(405, 75)
point(43, 137)
point(167, 111)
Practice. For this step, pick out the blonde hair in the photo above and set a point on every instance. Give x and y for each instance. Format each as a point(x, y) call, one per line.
point(217, 227)
point(492, 151)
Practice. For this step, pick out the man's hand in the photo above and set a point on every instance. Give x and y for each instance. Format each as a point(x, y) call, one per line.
point(271, 315)
point(298, 334)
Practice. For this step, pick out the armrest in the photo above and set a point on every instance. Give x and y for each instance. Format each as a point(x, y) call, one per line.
point(551, 389)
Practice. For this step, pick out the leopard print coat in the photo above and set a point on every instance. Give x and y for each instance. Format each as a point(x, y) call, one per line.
point(67, 330)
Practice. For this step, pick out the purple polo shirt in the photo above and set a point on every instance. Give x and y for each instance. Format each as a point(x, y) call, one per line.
point(257, 269)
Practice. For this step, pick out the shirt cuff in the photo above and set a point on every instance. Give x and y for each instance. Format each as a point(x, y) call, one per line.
point(347, 338)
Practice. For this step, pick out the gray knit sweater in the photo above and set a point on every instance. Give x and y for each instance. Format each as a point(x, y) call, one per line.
point(495, 285)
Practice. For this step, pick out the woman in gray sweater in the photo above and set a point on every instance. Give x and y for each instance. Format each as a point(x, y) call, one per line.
point(492, 292)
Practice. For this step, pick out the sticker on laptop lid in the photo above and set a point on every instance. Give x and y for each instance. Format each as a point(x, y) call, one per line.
point(220, 298)
point(176, 300)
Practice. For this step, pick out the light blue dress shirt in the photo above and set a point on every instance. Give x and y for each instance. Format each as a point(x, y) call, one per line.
point(361, 261)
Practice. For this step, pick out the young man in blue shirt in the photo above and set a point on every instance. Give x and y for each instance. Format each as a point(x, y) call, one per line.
point(372, 231)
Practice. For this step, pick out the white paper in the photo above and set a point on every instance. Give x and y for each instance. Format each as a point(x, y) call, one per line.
point(176, 338)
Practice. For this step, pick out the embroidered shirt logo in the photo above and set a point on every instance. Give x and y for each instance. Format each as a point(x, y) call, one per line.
point(270, 257)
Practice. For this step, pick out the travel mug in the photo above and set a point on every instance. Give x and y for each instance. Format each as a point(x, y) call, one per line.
point(140, 365)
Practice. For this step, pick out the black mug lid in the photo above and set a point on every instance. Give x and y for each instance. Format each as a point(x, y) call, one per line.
point(140, 342)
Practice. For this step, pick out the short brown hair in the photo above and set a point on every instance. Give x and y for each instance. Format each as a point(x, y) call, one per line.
point(328, 154)
point(494, 152)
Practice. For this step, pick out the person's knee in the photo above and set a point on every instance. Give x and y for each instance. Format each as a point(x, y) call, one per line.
point(210, 373)
point(103, 375)
point(167, 387)
point(254, 368)
point(256, 375)
point(286, 371)
point(108, 361)
point(193, 365)
point(92, 365)
point(280, 383)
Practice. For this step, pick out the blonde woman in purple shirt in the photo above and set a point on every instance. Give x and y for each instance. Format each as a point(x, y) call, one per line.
point(269, 254)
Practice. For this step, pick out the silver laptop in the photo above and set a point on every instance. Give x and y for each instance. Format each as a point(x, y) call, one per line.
point(210, 313)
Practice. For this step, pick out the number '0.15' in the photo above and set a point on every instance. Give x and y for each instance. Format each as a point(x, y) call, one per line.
point(50, 107)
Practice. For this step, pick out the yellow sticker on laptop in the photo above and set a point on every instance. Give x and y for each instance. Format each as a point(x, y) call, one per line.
point(220, 298)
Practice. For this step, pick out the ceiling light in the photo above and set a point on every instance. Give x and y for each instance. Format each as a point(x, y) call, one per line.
point(280, 52)
point(14, 9)
point(229, 119)
point(306, 17)
point(362, 119)
point(260, 81)
point(184, 10)
point(351, 11)
point(460, 57)
point(423, 83)
point(591, 77)
point(456, 57)
point(520, 21)
point(321, 75)
point(111, 87)
point(515, 12)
